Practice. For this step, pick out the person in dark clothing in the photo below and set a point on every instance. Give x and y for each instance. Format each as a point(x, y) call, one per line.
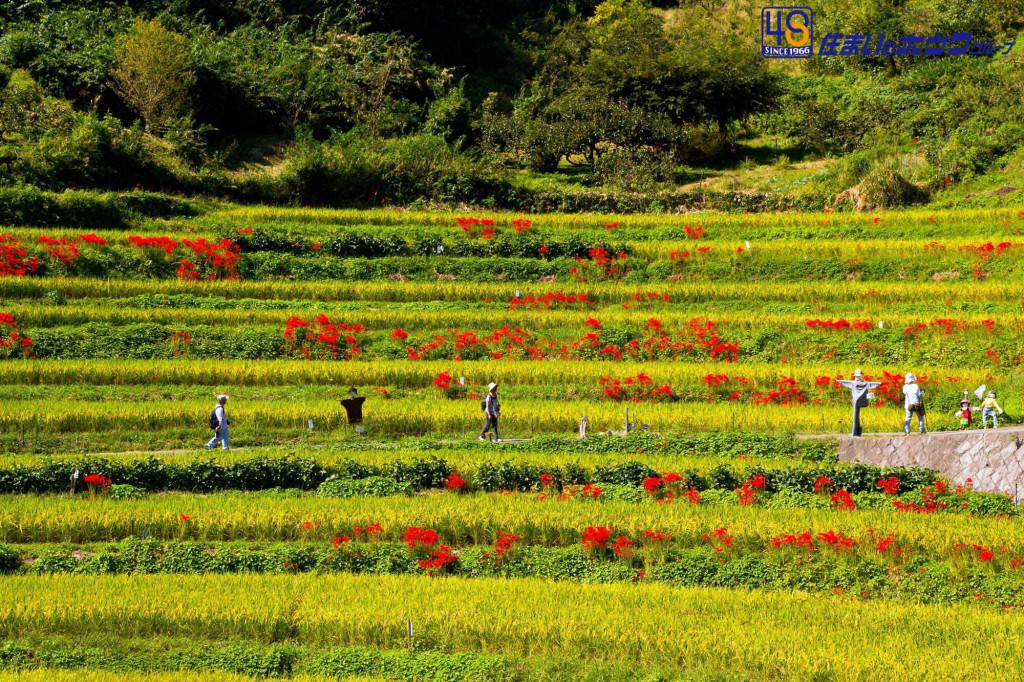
point(492, 410)
point(354, 406)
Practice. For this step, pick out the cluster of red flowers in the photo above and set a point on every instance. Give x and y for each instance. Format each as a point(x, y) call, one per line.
point(601, 265)
point(443, 381)
point(97, 481)
point(786, 392)
point(983, 553)
point(455, 482)
point(639, 388)
point(748, 491)
point(983, 251)
point(843, 500)
point(371, 531)
point(719, 538)
point(216, 260)
point(502, 546)
point(890, 485)
point(698, 339)
point(668, 487)
point(438, 560)
point(839, 324)
point(471, 226)
point(805, 540)
point(586, 491)
point(522, 224)
point(549, 300)
point(12, 339)
point(597, 537)
point(166, 244)
point(63, 249)
point(648, 299)
point(320, 339)
point(13, 258)
point(219, 260)
point(456, 345)
point(695, 232)
point(657, 536)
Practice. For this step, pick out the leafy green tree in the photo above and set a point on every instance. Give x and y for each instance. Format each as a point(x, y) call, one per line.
point(153, 73)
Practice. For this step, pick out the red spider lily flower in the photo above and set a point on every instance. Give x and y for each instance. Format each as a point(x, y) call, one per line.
point(843, 500)
point(455, 482)
point(399, 334)
point(891, 485)
point(443, 381)
point(597, 537)
point(623, 547)
point(821, 483)
point(92, 238)
point(184, 518)
point(422, 537)
point(97, 480)
point(591, 322)
point(309, 525)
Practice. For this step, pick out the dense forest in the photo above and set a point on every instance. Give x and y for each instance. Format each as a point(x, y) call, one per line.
point(527, 104)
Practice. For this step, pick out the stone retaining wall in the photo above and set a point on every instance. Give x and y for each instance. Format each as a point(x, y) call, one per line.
point(993, 459)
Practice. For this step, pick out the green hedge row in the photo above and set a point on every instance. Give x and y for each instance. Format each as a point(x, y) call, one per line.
point(863, 571)
point(264, 473)
point(31, 207)
point(258, 660)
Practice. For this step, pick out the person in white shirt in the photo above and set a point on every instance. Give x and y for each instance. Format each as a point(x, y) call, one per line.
point(219, 422)
point(913, 403)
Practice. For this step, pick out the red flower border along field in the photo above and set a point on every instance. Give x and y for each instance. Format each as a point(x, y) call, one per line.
point(315, 550)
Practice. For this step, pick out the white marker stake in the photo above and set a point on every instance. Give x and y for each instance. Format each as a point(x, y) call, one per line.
point(462, 381)
point(310, 422)
point(747, 244)
point(880, 324)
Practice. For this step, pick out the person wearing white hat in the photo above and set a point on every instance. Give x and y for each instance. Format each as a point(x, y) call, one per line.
point(492, 410)
point(219, 424)
point(860, 390)
point(913, 403)
point(988, 409)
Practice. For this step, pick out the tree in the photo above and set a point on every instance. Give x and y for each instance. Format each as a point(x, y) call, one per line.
point(153, 73)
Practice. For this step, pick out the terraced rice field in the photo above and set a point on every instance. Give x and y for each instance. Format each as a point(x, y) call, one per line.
point(719, 540)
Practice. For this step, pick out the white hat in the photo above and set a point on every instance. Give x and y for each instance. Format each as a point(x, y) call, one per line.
point(491, 386)
point(858, 373)
point(910, 378)
point(222, 399)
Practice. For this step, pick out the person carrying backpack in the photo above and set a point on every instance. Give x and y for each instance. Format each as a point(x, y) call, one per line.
point(913, 403)
point(219, 424)
point(491, 409)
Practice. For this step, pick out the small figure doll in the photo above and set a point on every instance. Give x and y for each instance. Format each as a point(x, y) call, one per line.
point(965, 411)
point(988, 409)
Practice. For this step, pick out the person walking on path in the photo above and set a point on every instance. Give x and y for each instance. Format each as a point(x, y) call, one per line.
point(492, 410)
point(988, 409)
point(913, 403)
point(859, 390)
point(219, 424)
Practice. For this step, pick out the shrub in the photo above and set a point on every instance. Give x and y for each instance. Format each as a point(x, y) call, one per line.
point(123, 491)
point(375, 486)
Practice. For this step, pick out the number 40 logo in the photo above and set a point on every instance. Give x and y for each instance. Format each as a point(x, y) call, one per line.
point(787, 32)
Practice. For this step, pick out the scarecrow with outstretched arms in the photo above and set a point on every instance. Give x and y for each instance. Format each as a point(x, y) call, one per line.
point(861, 395)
